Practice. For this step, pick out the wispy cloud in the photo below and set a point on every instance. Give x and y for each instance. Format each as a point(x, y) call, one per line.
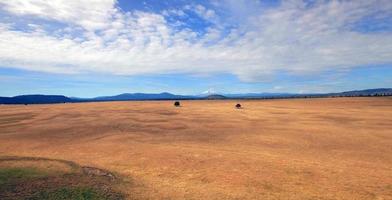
point(294, 36)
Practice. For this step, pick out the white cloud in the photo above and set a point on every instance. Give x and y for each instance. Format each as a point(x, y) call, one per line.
point(205, 13)
point(176, 12)
point(92, 14)
point(293, 37)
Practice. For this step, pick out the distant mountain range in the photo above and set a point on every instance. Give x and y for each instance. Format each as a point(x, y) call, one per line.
point(35, 99)
point(141, 96)
point(257, 95)
point(215, 96)
point(369, 92)
point(46, 99)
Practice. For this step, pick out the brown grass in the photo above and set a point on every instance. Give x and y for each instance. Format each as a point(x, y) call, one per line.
point(273, 149)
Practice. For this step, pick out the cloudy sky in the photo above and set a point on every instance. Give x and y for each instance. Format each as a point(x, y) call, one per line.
point(91, 48)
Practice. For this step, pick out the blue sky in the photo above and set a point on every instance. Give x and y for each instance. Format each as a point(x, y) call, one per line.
point(107, 47)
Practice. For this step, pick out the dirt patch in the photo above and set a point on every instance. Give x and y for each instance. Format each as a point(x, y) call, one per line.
point(92, 171)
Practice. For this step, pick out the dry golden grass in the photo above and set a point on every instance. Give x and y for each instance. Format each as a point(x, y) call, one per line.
point(50, 167)
point(273, 149)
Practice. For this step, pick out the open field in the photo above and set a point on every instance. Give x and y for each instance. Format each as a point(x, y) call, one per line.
point(336, 148)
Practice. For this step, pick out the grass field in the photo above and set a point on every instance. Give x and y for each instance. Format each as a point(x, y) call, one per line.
point(333, 148)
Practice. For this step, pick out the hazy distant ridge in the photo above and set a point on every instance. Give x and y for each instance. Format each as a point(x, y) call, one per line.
point(141, 96)
point(41, 99)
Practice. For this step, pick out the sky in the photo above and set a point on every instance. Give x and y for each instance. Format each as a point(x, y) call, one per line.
point(88, 48)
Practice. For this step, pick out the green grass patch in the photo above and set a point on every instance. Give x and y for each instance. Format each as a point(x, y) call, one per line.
point(12, 174)
point(69, 193)
point(25, 177)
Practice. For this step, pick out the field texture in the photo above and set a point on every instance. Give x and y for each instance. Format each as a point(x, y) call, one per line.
point(336, 148)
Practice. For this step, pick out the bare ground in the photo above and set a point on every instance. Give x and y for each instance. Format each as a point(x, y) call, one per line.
point(336, 148)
